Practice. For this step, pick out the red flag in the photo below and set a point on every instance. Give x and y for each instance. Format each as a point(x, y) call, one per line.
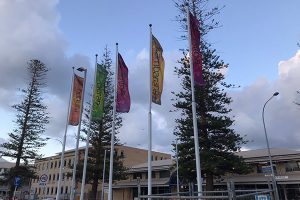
point(76, 100)
point(123, 97)
point(195, 50)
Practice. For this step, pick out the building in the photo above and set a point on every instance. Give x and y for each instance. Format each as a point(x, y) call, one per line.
point(4, 167)
point(286, 167)
point(138, 174)
point(49, 167)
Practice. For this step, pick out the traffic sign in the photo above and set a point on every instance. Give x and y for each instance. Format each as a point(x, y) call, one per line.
point(43, 180)
point(17, 181)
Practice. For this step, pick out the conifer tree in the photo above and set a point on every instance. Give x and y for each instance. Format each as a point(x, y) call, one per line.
point(25, 140)
point(100, 135)
point(218, 141)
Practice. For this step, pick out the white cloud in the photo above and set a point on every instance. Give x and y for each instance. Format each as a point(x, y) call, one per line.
point(281, 114)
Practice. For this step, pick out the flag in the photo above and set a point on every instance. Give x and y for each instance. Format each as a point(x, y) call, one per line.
point(76, 100)
point(99, 88)
point(195, 50)
point(123, 96)
point(158, 66)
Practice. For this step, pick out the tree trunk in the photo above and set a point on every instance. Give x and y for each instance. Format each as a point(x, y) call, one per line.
point(209, 182)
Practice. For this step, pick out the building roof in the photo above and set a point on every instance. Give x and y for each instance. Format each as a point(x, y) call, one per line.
point(156, 165)
point(143, 182)
point(277, 154)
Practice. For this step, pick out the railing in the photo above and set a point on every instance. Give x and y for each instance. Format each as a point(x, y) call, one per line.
point(230, 194)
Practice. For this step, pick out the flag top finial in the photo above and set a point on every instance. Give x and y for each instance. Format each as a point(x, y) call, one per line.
point(96, 55)
point(150, 25)
point(117, 44)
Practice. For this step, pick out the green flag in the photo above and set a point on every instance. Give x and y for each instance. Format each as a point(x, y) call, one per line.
point(98, 100)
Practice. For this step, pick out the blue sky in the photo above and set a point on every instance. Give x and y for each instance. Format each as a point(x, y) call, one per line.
point(257, 38)
point(255, 35)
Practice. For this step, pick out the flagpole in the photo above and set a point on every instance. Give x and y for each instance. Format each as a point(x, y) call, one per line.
point(112, 141)
point(73, 188)
point(196, 138)
point(150, 118)
point(88, 137)
point(64, 142)
point(103, 176)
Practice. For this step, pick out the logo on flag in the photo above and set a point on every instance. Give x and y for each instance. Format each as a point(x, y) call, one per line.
point(99, 88)
point(123, 96)
point(196, 53)
point(76, 100)
point(158, 66)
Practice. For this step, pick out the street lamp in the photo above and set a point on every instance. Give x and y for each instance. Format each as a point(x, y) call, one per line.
point(268, 147)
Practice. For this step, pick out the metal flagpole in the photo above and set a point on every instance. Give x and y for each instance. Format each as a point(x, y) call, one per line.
point(88, 138)
point(64, 142)
point(103, 176)
point(150, 118)
point(177, 174)
point(73, 188)
point(196, 138)
point(112, 141)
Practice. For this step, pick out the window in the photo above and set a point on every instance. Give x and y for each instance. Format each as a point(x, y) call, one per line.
point(61, 190)
point(69, 162)
point(155, 157)
point(55, 190)
point(51, 165)
point(292, 166)
point(265, 168)
point(39, 190)
point(52, 190)
point(66, 191)
point(161, 158)
point(164, 174)
point(135, 175)
point(53, 177)
point(49, 178)
point(65, 163)
point(47, 190)
point(55, 165)
point(57, 177)
point(122, 153)
point(152, 174)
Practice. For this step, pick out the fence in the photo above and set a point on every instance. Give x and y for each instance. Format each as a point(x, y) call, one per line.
point(230, 194)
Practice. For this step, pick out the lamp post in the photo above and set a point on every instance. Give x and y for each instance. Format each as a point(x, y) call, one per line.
point(268, 147)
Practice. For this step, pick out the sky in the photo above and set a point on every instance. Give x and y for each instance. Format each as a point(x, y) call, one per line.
point(258, 39)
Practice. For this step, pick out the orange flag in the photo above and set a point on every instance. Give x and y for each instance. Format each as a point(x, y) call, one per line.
point(76, 100)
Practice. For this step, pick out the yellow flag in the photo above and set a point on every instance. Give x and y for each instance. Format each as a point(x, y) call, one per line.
point(158, 66)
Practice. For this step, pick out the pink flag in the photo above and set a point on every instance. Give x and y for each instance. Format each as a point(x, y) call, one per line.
point(195, 50)
point(123, 97)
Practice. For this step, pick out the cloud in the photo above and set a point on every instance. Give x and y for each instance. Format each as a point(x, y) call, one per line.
point(29, 30)
point(281, 114)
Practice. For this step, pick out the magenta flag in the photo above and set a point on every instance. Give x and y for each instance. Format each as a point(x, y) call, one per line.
point(195, 50)
point(123, 97)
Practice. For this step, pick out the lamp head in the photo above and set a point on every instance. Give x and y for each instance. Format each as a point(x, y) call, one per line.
point(276, 93)
point(81, 69)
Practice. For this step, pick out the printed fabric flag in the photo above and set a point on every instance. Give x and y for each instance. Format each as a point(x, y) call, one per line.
point(196, 53)
point(123, 96)
point(158, 66)
point(99, 89)
point(76, 100)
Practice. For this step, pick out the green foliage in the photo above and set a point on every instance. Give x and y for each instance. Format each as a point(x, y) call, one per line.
point(218, 141)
